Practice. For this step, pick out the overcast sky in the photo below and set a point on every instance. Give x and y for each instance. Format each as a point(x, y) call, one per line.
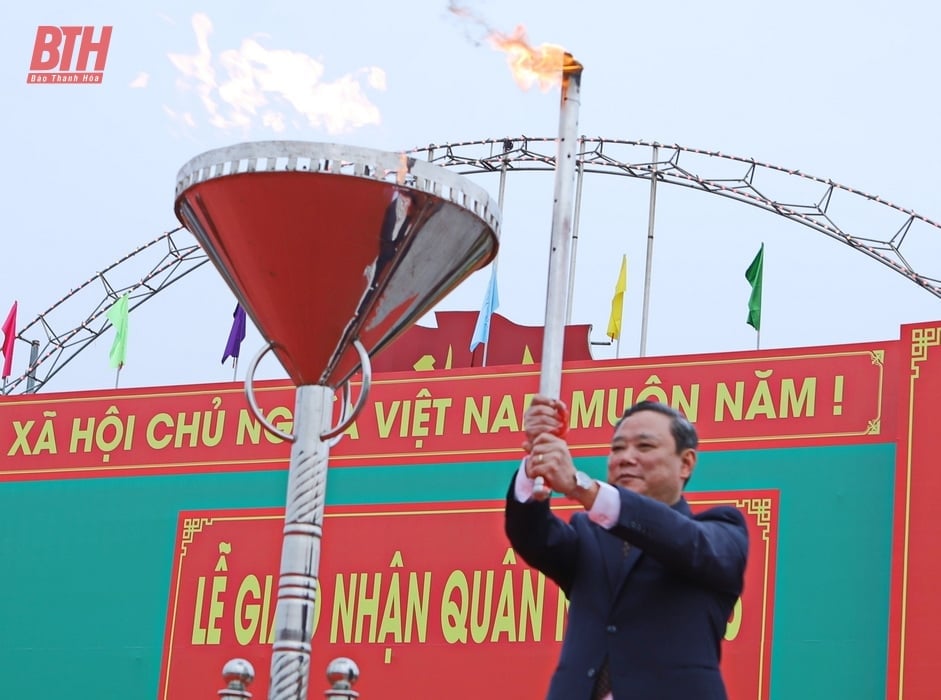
point(840, 90)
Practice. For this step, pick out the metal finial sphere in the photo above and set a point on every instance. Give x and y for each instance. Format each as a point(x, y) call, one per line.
point(342, 671)
point(238, 670)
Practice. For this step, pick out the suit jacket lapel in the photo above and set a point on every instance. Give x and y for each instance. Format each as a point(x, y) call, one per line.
point(627, 565)
point(611, 557)
point(628, 562)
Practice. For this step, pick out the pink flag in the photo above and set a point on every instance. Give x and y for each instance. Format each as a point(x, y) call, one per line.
point(9, 335)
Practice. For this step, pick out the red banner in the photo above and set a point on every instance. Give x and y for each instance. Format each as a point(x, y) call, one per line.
point(427, 599)
point(916, 607)
point(740, 400)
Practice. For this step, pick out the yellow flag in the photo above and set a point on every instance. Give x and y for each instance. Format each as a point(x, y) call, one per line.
point(617, 302)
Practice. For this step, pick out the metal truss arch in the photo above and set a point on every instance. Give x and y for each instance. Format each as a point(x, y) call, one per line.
point(166, 259)
point(844, 213)
point(865, 222)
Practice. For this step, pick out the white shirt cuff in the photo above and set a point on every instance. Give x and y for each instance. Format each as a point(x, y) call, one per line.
point(607, 506)
point(523, 486)
point(604, 511)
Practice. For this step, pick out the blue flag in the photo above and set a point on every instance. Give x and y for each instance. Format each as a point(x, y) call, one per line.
point(491, 304)
point(236, 335)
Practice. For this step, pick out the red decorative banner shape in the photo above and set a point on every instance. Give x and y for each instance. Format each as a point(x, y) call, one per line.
point(916, 608)
point(428, 599)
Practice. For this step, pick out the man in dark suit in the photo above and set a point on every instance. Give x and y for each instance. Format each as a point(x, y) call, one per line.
point(650, 585)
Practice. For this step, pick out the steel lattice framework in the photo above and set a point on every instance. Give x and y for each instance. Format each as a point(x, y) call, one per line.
point(865, 222)
point(166, 260)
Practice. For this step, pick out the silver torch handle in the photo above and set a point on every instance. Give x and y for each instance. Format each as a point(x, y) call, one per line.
point(550, 377)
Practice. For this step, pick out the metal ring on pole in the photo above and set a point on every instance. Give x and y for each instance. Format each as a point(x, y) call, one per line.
point(345, 407)
point(250, 395)
point(363, 393)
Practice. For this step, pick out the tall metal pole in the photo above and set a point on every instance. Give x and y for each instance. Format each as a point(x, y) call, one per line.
point(495, 260)
point(31, 374)
point(579, 177)
point(502, 192)
point(648, 270)
point(300, 551)
point(553, 339)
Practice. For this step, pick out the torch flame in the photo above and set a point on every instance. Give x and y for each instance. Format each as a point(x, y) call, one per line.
point(543, 64)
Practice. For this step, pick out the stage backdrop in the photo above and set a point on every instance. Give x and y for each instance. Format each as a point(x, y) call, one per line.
point(142, 527)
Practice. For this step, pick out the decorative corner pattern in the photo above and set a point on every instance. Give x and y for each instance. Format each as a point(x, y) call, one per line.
point(761, 509)
point(191, 526)
point(922, 340)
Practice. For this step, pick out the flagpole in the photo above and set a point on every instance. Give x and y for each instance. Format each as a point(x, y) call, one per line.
point(649, 265)
point(754, 276)
point(493, 272)
point(760, 299)
point(31, 370)
point(234, 342)
point(9, 338)
point(579, 175)
point(615, 320)
point(117, 316)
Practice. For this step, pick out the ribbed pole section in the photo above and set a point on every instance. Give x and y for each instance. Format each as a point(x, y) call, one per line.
point(300, 551)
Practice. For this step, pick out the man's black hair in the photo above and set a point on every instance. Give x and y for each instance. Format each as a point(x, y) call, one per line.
point(684, 434)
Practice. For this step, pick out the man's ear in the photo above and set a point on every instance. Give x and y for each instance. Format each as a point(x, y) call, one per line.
point(687, 463)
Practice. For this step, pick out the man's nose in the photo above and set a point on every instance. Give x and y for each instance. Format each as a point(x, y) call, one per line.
point(627, 456)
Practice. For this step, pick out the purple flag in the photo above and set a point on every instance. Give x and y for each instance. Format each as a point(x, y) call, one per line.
point(236, 335)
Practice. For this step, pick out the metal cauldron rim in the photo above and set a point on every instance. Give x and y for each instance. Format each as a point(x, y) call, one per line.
point(340, 159)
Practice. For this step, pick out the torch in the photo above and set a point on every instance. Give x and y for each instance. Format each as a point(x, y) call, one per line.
point(553, 339)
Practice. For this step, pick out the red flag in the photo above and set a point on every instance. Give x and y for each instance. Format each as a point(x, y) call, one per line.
point(9, 335)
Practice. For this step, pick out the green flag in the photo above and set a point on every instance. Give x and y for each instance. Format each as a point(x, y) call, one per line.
point(753, 275)
point(117, 314)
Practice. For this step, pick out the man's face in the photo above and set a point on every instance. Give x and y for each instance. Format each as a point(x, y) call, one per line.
point(643, 458)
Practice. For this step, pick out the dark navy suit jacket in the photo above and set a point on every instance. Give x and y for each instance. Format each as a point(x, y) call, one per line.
point(658, 615)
